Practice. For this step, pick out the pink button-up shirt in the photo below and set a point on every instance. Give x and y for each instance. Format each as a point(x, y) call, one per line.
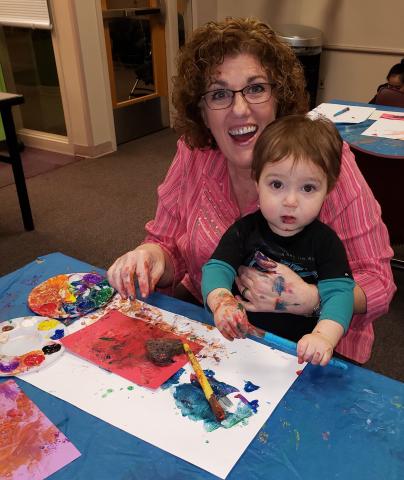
point(196, 205)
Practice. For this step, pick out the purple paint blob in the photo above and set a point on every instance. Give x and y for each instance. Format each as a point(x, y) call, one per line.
point(9, 367)
point(93, 278)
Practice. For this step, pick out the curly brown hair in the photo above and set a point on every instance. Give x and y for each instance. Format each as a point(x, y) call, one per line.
point(208, 47)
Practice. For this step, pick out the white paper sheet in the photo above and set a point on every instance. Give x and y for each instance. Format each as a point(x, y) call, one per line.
point(386, 128)
point(378, 113)
point(352, 115)
point(153, 415)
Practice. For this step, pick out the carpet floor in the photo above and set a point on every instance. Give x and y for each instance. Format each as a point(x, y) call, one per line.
point(35, 162)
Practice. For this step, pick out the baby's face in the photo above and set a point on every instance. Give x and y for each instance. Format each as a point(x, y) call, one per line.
point(291, 194)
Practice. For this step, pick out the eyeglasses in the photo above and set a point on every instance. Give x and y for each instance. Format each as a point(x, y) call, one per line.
point(394, 87)
point(224, 97)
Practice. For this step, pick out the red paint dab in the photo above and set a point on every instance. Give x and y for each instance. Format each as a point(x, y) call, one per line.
point(33, 359)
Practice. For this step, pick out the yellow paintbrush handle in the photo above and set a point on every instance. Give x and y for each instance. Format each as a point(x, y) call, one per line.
point(205, 385)
point(203, 381)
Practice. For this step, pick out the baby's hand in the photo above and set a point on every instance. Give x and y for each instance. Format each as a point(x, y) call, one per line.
point(230, 317)
point(315, 348)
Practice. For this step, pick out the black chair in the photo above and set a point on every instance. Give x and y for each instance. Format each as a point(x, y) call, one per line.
point(131, 47)
point(390, 97)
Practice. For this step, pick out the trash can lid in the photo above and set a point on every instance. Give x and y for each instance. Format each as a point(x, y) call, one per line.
point(299, 35)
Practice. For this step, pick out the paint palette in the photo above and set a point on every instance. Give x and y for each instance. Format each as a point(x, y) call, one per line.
point(70, 296)
point(28, 344)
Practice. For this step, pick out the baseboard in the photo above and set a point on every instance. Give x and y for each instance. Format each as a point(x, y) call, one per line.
point(93, 151)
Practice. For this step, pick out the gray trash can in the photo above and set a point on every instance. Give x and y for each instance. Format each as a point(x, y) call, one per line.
point(306, 42)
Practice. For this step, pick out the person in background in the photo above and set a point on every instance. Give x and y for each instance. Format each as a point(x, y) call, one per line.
point(296, 163)
point(209, 185)
point(395, 80)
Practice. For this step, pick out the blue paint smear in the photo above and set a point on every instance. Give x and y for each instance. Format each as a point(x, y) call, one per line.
point(220, 389)
point(174, 380)
point(191, 400)
point(250, 387)
point(279, 285)
point(59, 333)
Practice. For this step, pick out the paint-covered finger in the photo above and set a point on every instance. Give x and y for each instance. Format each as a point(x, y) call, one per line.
point(128, 288)
point(143, 278)
point(301, 350)
point(316, 358)
point(231, 325)
point(225, 331)
point(309, 353)
point(326, 358)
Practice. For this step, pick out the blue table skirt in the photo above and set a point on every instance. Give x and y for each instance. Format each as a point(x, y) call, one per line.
point(331, 424)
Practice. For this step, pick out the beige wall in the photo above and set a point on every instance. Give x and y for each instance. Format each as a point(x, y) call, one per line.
point(95, 69)
point(362, 38)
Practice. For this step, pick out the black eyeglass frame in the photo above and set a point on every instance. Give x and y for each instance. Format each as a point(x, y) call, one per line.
point(238, 91)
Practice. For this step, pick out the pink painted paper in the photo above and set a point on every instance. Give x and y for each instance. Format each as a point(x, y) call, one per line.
point(117, 343)
point(31, 447)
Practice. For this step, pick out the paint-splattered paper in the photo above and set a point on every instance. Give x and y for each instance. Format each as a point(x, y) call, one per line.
point(386, 127)
point(117, 343)
point(176, 417)
point(31, 447)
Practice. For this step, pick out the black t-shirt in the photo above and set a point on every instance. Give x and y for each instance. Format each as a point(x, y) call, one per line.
point(316, 253)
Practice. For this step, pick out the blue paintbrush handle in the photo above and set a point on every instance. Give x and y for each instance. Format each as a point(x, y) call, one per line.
point(290, 347)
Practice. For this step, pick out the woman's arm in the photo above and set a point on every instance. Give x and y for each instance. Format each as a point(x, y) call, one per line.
point(353, 213)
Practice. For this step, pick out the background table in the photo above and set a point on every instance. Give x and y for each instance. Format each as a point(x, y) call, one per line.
point(381, 161)
point(7, 101)
point(331, 424)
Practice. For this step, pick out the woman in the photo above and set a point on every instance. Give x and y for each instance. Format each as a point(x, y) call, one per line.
point(234, 78)
point(395, 81)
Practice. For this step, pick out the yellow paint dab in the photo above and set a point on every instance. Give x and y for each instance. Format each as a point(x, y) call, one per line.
point(47, 324)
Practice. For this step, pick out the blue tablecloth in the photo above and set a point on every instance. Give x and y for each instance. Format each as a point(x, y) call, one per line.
point(331, 424)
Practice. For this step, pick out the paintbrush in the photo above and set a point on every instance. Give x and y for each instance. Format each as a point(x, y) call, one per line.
point(205, 385)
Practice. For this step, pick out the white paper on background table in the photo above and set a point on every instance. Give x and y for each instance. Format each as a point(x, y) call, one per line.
point(353, 115)
point(378, 113)
point(153, 415)
point(386, 128)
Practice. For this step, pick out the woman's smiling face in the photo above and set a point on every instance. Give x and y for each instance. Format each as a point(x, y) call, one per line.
point(237, 127)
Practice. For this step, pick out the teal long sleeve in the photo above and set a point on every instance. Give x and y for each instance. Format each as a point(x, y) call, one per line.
point(216, 274)
point(337, 300)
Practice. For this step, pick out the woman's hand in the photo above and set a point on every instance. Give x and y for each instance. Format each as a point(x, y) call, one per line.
point(229, 315)
point(146, 263)
point(278, 289)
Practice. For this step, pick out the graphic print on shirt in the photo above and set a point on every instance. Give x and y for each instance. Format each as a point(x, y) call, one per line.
point(305, 269)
